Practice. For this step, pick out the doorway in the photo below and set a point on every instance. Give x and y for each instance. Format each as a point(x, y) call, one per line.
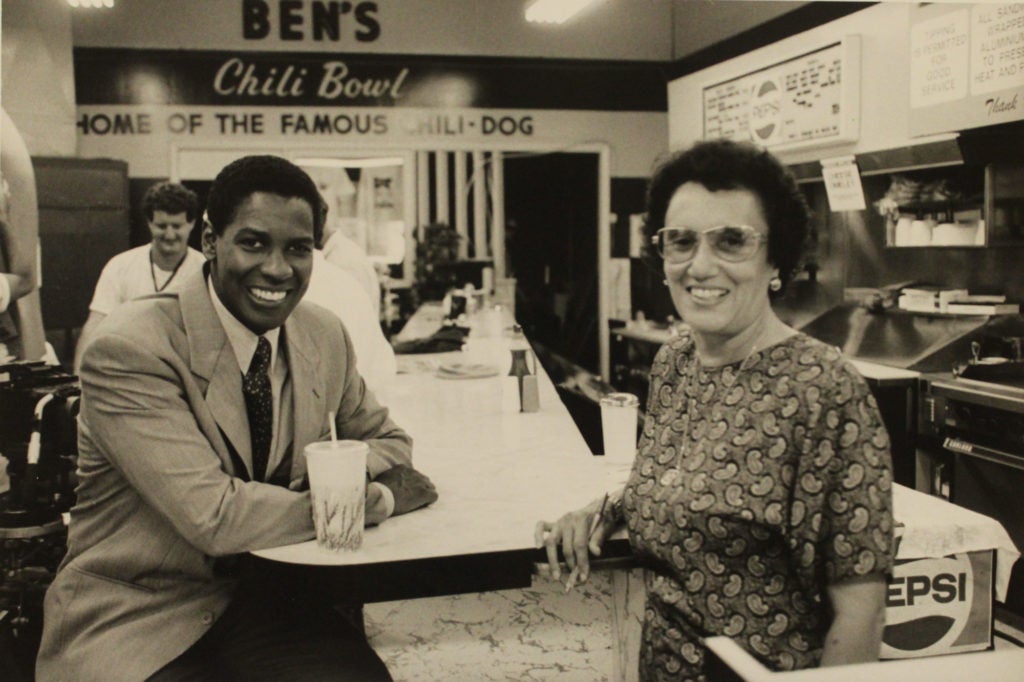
point(551, 243)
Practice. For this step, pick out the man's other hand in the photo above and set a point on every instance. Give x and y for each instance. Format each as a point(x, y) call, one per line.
point(411, 489)
point(376, 507)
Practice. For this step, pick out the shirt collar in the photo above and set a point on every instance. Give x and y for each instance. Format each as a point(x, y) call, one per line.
point(243, 341)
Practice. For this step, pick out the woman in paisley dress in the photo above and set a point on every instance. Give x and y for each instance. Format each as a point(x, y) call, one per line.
point(760, 497)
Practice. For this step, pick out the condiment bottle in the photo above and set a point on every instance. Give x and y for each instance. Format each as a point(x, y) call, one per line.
point(529, 394)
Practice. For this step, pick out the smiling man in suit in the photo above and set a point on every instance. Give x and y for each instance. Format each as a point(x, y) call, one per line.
point(196, 407)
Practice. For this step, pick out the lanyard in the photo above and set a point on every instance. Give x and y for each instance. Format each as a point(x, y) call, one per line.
point(152, 271)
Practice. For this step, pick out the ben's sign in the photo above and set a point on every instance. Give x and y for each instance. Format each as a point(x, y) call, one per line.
point(939, 606)
point(317, 20)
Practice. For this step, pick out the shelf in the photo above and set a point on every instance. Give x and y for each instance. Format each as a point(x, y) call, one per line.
point(954, 205)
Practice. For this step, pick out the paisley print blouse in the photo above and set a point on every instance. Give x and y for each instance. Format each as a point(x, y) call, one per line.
point(755, 486)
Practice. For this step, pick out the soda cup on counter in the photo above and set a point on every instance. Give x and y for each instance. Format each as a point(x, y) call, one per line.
point(618, 426)
point(337, 483)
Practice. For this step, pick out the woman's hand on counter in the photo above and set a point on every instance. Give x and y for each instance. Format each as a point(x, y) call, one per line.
point(579, 534)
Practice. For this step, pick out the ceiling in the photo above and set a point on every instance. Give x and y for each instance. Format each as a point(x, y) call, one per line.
point(699, 24)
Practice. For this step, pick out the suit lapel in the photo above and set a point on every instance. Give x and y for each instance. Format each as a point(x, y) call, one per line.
point(307, 391)
point(215, 366)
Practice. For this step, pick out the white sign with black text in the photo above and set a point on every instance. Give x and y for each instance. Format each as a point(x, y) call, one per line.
point(842, 184)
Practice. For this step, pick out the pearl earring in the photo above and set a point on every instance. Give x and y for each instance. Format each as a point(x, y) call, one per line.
point(664, 282)
point(775, 284)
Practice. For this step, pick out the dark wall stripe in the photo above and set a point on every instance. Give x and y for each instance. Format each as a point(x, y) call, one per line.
point(802, 19)
point(130, 76)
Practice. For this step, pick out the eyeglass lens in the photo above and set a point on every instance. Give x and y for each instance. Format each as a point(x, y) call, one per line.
point(728, 242)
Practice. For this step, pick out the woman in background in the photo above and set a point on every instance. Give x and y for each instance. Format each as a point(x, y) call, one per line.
point(760, 497)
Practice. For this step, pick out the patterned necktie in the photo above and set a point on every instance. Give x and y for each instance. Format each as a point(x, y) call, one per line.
point(259, 403)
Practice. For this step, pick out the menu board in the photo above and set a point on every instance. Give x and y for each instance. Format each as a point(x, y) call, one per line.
point(807, 100)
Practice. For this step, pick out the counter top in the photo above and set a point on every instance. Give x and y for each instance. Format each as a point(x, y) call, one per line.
point(497, 471)
point(877, 373)
point(644, 331)
point(884, 374)
point(979, 666)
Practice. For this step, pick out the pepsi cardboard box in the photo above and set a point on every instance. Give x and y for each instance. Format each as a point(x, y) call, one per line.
point(939, 606)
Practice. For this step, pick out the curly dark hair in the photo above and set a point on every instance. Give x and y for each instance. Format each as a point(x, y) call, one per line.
point(728, 165)
point(172, 198)
point(243, 177)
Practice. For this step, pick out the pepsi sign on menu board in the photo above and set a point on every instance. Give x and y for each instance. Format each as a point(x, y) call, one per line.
point(765, 109)
point(811, 99)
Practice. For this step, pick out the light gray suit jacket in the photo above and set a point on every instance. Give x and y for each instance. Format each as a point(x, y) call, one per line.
point(160, 496)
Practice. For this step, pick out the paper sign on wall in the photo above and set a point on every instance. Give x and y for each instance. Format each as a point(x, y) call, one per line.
point(842, 184)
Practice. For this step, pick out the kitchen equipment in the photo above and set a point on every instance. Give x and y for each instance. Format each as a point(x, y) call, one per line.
point(971, 435)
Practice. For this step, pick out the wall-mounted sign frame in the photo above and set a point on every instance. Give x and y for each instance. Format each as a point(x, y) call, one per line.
point(808, 100)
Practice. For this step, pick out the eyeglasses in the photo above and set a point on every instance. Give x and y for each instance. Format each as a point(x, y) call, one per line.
point(732, 243)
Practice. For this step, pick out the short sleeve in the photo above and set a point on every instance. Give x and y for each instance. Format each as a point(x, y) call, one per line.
point(106, 296)
point(841, 514)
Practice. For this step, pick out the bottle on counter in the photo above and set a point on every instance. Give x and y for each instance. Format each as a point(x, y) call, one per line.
point(522, 358)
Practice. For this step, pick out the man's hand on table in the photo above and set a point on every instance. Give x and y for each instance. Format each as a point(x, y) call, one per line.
point(411, 489)
point(376, 506)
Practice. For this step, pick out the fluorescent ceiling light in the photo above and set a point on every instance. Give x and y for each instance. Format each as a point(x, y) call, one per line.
point(554, 11)
point(361, 162)
point(96, 4)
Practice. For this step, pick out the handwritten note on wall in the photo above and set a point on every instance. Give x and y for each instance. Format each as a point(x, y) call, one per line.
point(842, 184)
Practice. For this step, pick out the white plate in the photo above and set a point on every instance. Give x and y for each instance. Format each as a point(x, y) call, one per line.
point(466, 370)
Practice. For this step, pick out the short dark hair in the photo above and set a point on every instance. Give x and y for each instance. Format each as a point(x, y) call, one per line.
point(172, 198)
point(727, 165)
point(243, 177)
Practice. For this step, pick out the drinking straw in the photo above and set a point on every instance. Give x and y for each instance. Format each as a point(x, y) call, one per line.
point(334, 429)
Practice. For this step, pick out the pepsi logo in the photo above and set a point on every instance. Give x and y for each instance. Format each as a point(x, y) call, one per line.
point(928, 605)
point(765, 111)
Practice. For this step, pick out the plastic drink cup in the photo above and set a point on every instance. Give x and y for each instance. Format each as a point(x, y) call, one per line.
point(618, 426)
point(337, 483)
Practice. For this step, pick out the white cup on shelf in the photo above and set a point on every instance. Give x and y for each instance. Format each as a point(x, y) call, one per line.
point(901, 235)
point(921, 232)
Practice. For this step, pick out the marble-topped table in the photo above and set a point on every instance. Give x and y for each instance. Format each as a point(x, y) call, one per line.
point(497, 472)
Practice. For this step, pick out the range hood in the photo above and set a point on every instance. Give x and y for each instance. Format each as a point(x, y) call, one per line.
point(976, 147)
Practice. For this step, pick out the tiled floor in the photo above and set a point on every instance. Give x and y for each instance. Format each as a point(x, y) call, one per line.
point(540, 633)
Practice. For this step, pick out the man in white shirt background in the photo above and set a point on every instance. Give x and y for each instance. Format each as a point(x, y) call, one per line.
point(335, 289)
point(346, 251)
point(170, 210)
point(343, 252)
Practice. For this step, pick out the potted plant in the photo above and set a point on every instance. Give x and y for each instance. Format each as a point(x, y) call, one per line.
point(436, 251)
